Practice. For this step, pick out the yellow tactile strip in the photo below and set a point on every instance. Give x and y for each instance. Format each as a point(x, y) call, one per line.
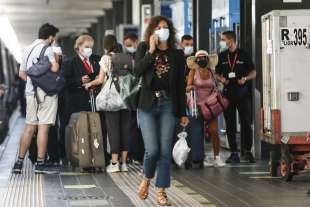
point(24, 190)
point(178, 194)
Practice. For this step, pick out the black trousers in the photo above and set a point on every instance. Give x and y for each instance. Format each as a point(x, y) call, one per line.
point(243, 105)
point(118, 128)
point(136, 145)
point(56, 136)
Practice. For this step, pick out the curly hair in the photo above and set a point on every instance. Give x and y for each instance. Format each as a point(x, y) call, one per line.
point(172, 42)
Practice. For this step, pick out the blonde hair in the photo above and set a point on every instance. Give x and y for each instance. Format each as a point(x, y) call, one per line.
point(81, 39)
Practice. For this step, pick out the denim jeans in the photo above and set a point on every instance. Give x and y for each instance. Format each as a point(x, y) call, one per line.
point(157, 126)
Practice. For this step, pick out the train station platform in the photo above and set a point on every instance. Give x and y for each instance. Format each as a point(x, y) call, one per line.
point(241, 185)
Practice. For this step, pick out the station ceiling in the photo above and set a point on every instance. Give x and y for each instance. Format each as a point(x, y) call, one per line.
point(69, 16)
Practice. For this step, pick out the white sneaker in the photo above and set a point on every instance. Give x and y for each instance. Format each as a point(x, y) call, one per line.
point(218, 162)
point(124, 167)
point(208, 163)
point(113, 168)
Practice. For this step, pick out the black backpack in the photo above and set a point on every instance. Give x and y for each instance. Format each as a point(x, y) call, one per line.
point(41, 75)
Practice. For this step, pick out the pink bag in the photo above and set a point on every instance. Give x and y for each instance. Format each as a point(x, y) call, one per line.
point(213, 105)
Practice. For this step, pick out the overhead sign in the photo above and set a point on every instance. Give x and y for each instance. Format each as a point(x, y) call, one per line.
point(294, 37)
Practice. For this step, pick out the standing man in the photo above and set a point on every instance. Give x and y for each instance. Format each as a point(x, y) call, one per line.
point(136, 146)
point(187, 45)
point(236, 71)
point(41, 109)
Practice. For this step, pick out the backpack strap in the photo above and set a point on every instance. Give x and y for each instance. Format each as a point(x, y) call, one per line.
point(32, 51)
point(43, 52)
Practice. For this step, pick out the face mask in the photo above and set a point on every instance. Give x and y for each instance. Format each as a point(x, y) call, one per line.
point(223, 45)
point(188, 50)
point(130, 49)
point(87, 52)
point(163, 34)
point(202, 63)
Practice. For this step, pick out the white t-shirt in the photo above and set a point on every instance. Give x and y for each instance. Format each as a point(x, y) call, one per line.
point(33, 58)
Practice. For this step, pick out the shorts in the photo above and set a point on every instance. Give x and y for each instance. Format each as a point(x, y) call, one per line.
point(43, 113)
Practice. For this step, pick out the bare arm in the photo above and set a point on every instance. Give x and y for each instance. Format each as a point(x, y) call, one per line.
point(98, 81)
point(55, 66)
point(252, 75)
point(22, 75)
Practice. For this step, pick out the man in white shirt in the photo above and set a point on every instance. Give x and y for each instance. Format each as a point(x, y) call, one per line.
point(41, 109)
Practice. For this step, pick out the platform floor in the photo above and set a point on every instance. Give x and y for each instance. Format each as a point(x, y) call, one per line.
point(242, 185)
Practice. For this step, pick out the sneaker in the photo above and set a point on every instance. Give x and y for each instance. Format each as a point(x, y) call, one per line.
point(249, 157)
point(18, 166)
point(124, 167)
point(44, 169)
point(207, 163)
point(113, 168)
point(218, 162)
point(233, 159)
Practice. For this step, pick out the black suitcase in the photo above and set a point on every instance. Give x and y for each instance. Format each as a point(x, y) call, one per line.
point(195, 141)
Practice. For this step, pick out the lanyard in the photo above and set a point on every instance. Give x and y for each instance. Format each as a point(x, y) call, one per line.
point(232, 64)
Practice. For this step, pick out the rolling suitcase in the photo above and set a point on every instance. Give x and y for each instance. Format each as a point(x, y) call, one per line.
point(77, 141)
point(84, 141)
point(195, 138)
point(96, 137)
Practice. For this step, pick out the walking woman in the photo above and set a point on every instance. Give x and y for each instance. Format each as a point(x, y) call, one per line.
point(201, 79)
point(117, 122)
point(161, 101)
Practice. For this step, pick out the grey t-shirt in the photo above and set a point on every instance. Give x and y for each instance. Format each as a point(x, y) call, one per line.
point(37, 47)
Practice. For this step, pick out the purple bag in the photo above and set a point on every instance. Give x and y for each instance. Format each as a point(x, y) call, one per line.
point(213, 105)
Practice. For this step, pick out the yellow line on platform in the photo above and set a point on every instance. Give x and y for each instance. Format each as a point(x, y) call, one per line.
point(79, 186)
point(264, 177)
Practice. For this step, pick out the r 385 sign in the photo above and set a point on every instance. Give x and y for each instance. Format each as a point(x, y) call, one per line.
point(294, 37)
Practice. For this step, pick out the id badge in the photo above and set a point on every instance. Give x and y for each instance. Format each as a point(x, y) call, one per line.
point(232, 75)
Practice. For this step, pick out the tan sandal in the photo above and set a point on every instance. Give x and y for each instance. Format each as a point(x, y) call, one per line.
point(162, 198)
point(144, 189)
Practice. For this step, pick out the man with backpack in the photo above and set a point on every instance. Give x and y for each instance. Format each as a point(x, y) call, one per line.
point(41, 107)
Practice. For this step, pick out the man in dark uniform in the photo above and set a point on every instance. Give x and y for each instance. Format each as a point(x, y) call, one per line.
point(236, 71)
point(136, 145)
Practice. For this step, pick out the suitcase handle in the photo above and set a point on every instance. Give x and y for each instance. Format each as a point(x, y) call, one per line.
point(92, 101)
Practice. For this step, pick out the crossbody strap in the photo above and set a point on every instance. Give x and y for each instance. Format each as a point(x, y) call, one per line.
point(32, 51)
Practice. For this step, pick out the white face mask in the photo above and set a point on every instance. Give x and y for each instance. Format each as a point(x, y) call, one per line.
point(163, 34)
point(87, 52)
point(188, 50)
point(223, 45)
point(130, 49)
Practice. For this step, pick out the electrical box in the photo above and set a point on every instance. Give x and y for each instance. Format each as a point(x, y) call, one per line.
point(286, 74)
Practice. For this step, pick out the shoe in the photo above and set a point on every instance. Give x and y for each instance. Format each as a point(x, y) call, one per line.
point(124, 167)
point(233, 159)
point(207, 163)
point(18, 166)
point(143, 191)
point(218, 162)
point(249, 157)
point(113, 168)
point(162, 199)
point(44, 169)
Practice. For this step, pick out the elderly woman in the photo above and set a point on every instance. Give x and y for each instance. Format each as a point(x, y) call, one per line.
point(79, 70)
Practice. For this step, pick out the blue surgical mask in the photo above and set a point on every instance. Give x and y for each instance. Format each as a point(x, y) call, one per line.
point(87, 52)
point(223, 45)
point(188, 50)
point(131, 49)
point(163, 34)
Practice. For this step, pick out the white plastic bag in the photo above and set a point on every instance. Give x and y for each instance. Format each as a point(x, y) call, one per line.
point(181, 150)
point(109, 98)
